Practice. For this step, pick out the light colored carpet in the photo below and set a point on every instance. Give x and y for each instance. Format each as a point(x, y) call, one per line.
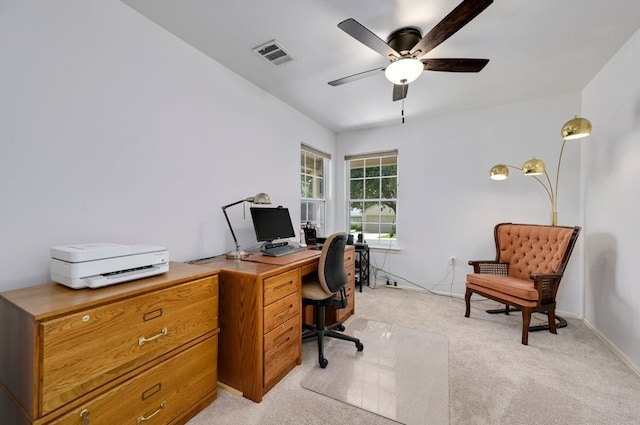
point(402, 374)
point(572, 378)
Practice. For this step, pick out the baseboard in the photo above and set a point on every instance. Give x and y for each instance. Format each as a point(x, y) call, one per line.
point(614, 347)
point(568, 315)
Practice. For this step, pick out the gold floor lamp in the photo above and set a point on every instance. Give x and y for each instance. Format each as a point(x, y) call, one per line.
point(576, 128)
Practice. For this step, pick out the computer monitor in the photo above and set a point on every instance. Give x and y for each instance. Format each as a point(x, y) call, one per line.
point(272, 223)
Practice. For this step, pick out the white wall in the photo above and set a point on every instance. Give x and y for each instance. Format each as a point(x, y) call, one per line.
point(612, 200)
point(115, 130)
point(447, 203)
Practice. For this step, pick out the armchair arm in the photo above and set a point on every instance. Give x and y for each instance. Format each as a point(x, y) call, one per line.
point(547, 286)
point(490, 267)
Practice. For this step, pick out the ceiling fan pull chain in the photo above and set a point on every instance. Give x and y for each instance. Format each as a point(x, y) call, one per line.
point(402, 111)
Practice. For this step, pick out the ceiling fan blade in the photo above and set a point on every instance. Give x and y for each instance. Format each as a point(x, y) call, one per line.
point(454, 65)
point(454, 21)
point(400, 91)
point(355, 77)
point(358, 31)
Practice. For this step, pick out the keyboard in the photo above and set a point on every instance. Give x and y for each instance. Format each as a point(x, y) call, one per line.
point(279, 251)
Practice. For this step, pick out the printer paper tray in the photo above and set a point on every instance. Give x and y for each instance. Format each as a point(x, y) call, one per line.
point(112, 278)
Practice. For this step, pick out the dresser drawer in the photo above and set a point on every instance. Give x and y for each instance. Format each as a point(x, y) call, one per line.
point(159, 394)
point(281, 311)
point(85, 350)
point(280, 286)
point(281, 348)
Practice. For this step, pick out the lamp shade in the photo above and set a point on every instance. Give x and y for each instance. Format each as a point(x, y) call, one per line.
point(260, 198)
point(404, 71)
point(499, 172)
point(533, 167)
point(576, 128)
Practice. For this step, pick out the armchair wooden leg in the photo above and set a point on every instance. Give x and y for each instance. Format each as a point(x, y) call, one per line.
point(467, 299)
point(551, 314)
point(526, 320)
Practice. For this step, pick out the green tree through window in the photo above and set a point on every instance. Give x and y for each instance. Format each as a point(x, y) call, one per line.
point(373, 192)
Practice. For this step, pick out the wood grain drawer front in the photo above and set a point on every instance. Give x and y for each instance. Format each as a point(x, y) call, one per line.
point(308, 269)
point(87, 349)
point(349, 257)
point(156, 396)
point(351, 274)
point(278, 287)
point(281, 311)
point(344, 313)
point(281, 348)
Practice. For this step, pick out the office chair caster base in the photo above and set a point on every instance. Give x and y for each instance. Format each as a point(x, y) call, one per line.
point(340, 328)
point(323, 362)
point(359, 346)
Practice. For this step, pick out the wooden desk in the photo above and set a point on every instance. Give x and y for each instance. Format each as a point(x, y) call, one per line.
point(260, 338)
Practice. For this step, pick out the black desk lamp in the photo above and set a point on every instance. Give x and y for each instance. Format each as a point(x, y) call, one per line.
point(260, 198)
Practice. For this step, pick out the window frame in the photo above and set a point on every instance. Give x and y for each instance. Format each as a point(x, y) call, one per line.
point(321, 202)
point(379, 238)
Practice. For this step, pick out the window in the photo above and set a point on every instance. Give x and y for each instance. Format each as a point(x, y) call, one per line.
point(373, 193)
point(313, 188)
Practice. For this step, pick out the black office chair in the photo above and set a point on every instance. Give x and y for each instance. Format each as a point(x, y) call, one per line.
point(327, 289)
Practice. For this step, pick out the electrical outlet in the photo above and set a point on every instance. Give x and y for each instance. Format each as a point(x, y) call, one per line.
point(452, 260)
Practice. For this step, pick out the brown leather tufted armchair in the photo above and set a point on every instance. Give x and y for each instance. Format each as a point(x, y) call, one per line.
point(530, 261)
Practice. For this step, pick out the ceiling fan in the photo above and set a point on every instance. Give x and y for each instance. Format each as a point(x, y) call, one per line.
point(405, 48)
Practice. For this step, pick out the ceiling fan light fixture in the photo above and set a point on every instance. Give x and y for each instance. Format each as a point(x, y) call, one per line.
point(404, 71)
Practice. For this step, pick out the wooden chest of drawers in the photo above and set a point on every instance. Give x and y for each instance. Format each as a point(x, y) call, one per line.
point(114, 355)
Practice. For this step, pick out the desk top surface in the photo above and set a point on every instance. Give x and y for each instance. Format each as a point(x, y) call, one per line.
point(260, 264)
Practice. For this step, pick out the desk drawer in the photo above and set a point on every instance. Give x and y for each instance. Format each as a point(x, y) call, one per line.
point(281, 348)
point(278, 287)
point(344, 313)
point(87, 349)
point(309, 269)
point(349, 257)
point(164, 391)
point(351, 273)
point(281, 311)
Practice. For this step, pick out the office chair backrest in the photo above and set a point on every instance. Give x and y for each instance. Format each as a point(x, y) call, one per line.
point(331, 271)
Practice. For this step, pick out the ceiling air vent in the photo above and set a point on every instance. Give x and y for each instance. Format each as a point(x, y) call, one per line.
point(273, 52)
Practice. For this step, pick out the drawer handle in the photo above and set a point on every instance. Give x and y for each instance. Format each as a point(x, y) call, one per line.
point(142, 340)
point(285, 311)
point(85, 416)
point(142, 419)
point(287, 338)
point(284, 285)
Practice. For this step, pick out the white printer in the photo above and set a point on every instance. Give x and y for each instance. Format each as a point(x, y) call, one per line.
point(94, 265)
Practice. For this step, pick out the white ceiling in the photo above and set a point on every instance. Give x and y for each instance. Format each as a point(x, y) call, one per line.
point(536, 48)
